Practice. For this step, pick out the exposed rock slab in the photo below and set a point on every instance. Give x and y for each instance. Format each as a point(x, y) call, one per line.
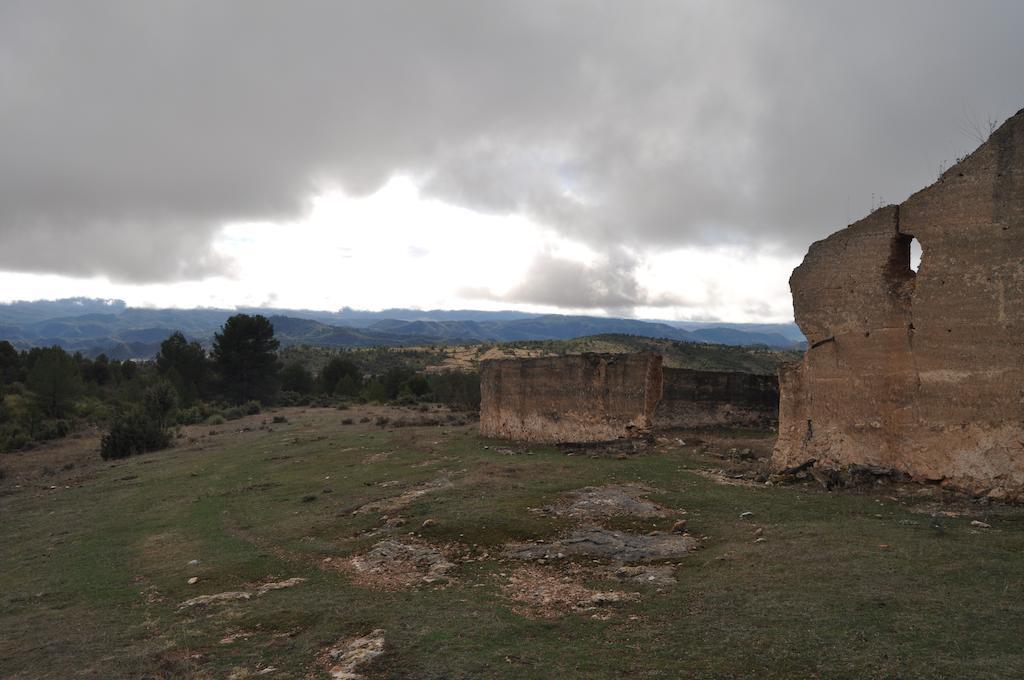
point(346, 656)
point(601, 502)
point(394, 564)
point(614, 546)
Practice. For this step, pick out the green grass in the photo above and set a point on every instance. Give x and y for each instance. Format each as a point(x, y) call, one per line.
point(91, 576)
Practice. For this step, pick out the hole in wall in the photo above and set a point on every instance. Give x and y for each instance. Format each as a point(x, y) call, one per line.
point(915, 254)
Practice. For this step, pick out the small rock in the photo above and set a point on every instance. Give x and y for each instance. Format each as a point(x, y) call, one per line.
point(746, 515)
point(758, 531)
point(194, 580)
point(679, 527)
point(193, 563)
point(429, 522)
point(980, 524)
point(760, 539)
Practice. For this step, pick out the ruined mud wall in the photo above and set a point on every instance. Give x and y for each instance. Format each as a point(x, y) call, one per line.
point(694, 399)
point(920, 372)
point(576, 398)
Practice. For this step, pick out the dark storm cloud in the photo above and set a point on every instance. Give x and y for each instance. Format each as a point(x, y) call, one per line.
point(131, 130)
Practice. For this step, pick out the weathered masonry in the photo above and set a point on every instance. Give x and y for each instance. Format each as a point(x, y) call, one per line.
point(576, 398)
point(920, 372)
point(695, 399)
point(601, 397)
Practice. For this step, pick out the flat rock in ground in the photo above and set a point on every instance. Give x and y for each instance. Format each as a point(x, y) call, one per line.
point(393, 563)
point(344, 657)
point(614, 546)
point(598, 502)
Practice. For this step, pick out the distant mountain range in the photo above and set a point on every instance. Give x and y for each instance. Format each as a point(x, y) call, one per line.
point(94, 326)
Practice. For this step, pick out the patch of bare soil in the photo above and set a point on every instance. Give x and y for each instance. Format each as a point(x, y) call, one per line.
point(601, 502)
point(393, 503)
point(545, 593)
point(392, 564)
point(344, 657)
point(614, 546)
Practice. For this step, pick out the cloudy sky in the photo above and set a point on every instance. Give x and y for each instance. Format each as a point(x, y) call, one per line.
point(654, 159)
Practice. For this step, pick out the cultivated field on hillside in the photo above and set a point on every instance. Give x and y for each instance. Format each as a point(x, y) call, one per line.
point(396, 543)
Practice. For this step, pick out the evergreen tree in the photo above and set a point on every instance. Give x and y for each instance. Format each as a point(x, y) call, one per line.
point(245, 352)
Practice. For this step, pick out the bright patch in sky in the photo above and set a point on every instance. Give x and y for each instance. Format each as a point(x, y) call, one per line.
point(396, 248)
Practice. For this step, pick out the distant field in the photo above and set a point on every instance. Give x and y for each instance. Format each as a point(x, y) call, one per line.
point(95, 562)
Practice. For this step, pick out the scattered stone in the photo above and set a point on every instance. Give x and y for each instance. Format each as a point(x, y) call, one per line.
point(746, 515)
point(758, 531)
point(193, 563)
point(344, 657)
point(980, 524)
point(760, 539)
point(679, 527)
point(427, 523)
point(616, 546)
point(194, 580)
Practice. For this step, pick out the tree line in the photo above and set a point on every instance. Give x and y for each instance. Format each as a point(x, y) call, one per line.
point(45, 393)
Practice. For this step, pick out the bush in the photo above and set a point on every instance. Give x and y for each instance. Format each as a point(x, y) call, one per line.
point(190, 416)
point(215, 419)
point(233, 413)
point(280, 419)
point(13, 438)
point(134, 432)
point(251, 408)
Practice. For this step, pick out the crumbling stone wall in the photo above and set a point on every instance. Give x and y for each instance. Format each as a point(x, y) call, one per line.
point(576, 398)
point(601, 397)
point(920, 372)
point(695, 399)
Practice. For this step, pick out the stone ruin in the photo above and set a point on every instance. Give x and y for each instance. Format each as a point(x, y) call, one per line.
point(603, 397)
point(918, 372)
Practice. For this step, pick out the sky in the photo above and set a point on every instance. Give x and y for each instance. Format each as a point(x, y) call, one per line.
point(668, 160)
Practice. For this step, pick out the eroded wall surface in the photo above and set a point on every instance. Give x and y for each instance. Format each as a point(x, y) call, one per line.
point(695, 399)
point(922, 372)
point(576, 398)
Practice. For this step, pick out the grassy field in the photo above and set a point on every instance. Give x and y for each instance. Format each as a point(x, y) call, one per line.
point(95, 562)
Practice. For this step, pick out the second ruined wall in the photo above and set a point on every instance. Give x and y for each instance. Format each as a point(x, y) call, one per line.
point(919, 372)
point(576, 398)
point(695, 399)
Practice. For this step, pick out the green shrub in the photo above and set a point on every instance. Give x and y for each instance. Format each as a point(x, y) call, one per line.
point(215, 419)
point(233, 413)
point(251, 408)
point(192, 415)
point(134, 432)
point(280, 419)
